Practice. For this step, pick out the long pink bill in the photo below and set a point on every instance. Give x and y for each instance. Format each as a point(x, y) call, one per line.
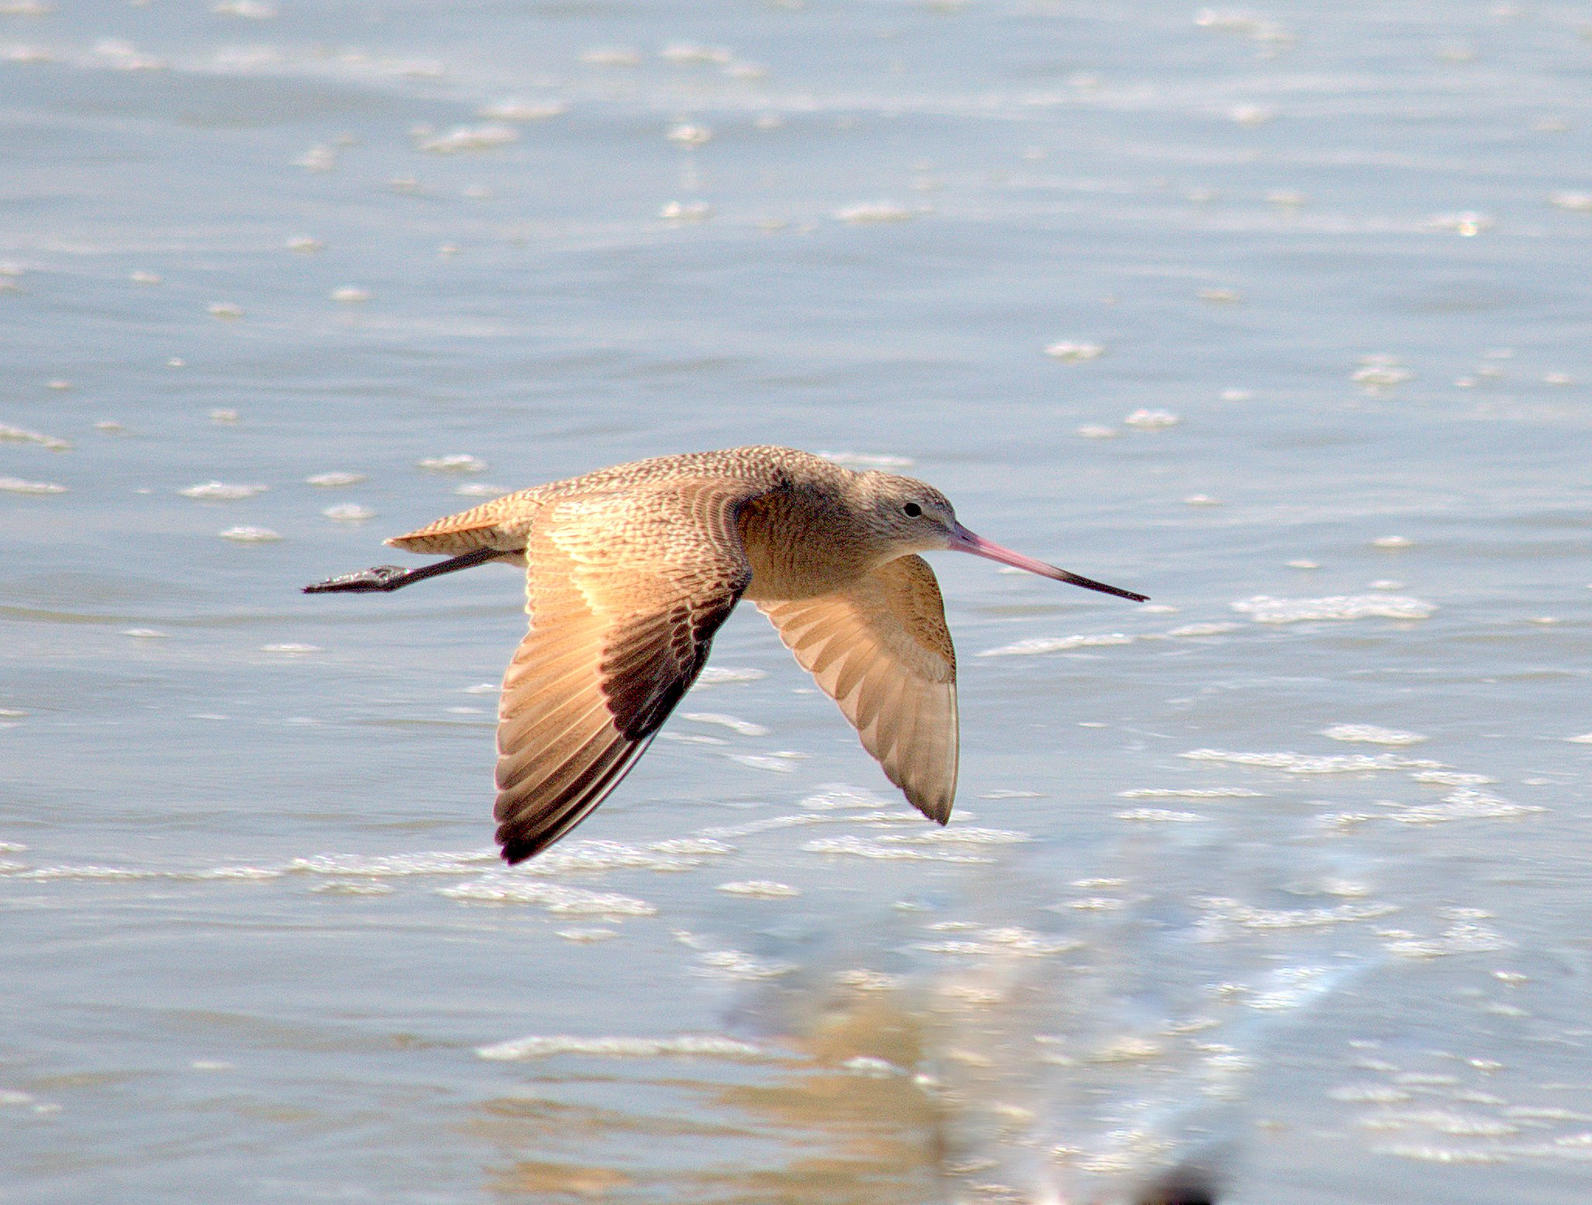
point(963, 540)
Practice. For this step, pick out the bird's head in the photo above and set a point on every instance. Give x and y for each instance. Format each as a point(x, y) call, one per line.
point(910, 516)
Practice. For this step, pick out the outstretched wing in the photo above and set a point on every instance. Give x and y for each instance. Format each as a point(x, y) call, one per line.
point(882, 651)
point(625, 591)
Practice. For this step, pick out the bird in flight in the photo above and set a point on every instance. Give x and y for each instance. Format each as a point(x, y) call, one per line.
point(629, 572)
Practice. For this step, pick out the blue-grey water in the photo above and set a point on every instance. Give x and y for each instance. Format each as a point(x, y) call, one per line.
point(1281, 315)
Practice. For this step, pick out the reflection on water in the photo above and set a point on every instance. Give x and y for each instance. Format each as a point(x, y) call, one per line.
point(846, 1109)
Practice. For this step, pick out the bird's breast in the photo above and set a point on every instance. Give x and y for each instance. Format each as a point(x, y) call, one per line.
point(801, 546)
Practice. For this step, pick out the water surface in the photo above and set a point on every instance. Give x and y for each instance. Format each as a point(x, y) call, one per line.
point(1279, 316)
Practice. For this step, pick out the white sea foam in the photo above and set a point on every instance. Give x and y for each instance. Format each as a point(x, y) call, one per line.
point(1205, 629)
point(1263, 608)
point(777, 763)
point(686, 211)
point(1460, 937)
point(958, 835)
point(684, 54)
point(1152, 420)
point(689, 846)
point(349, 512)
point(736, 725)
point(689, 134)
point(554, 897)
point(1039, 645)
point(713, 1046)
point(1191, 793)
point(393, 865)
point(761, 889)
point(457, 462)
point(353, 887)
point(1372, 735)
point(1451, 778)
point(874, 212)
point(715, 675)
point(772, 824)
point(1158, 816)
point(250, 535)
point(469, 138)
point(589, 935)
point(982, 942)
point(1465, 803)
point(1290, 988)
point(1220, 912)
point(520, 110)
point(1074, 351)
point(133, 874)
point(10, 434)
point(574, 857)
point(835, 796)
point(20, 485)
point(737, 964)
point(861, 847)
point(334, 480)
point(1304, 763)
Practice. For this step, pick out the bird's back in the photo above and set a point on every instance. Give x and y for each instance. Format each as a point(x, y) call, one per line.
point(504, 522)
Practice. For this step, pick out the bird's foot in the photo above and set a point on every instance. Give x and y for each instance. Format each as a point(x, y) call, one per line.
point(361, 581)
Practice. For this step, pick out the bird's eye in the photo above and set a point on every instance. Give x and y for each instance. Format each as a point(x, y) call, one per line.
point(912, 510)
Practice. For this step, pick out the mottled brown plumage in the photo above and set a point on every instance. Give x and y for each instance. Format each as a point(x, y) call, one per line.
point(630, 571)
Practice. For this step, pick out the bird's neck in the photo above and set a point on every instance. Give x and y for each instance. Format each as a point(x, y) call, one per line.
point(804, 542)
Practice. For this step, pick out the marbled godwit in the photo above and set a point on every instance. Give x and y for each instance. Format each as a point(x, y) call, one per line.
point(629, 572)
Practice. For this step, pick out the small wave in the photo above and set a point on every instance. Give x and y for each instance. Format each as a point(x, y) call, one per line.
point(713, 675)
point(1158, 816)
point(736, 725)
point(959, 835)
point(1372, 735)
point(685, 1045)
point(737, 964)
point(221, 491)
point(597, 856)
point(392, 865)
point(1009, 939)
point(1263, 608)
point(1058, 644)
point(859, 847)
point(1465, 803)
point(556, 898)
point(1205, 629)
point(131, 874)
point(1305, 763)
point(1194, 793)
point(760, 889)
point(829, 798)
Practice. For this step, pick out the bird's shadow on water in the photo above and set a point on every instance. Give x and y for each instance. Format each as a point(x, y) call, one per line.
point(889, 1069)
point(993, 1056)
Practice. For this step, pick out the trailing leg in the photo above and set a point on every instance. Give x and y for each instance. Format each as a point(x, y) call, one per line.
point(387, 578)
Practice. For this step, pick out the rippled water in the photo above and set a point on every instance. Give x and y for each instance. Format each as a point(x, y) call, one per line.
point(1279, 316)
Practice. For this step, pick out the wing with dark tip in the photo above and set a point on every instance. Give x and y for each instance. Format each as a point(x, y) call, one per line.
point(625, 591)
point(882, 651)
